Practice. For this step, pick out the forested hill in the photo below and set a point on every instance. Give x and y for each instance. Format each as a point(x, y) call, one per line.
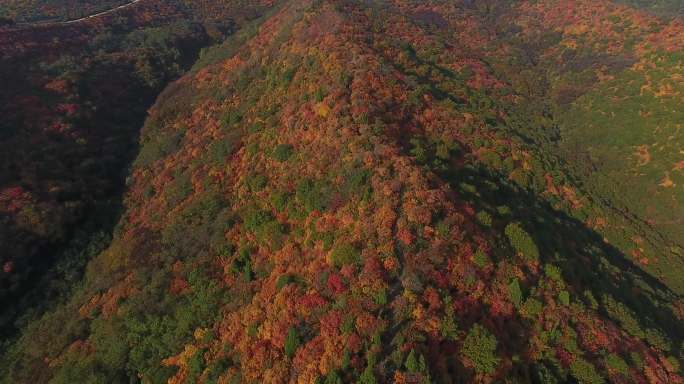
point(343, 191)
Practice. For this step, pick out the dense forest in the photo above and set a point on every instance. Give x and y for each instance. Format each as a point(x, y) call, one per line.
point(344, 191)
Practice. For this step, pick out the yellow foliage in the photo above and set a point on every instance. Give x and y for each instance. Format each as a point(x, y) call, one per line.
point(322, 109)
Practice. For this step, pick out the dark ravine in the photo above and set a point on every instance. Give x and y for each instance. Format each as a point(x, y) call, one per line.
point(112, 98)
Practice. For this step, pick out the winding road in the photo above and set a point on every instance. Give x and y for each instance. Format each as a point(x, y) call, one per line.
point(84, 18)
point(122, 6)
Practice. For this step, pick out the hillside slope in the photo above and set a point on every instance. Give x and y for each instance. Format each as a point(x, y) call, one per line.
point(73, 100)
point(363, 192)
point(612, 77)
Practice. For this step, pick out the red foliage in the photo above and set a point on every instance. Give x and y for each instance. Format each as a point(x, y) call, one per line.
point(405, 236)
point(311, 301)
point(335, 284)
point(564, 357)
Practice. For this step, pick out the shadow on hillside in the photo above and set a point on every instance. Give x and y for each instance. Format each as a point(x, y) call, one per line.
point(586, 261)
point(78, 189)
point(79, 185)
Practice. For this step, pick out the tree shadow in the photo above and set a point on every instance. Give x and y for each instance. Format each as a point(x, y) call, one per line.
point(587, 261)
point(79, 217)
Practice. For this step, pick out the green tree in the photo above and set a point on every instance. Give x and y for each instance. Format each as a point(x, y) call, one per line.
point(411, 363)
point(615, 363)
point(282, 152)
point(515, 293)
point(368, 376)
point(484, 218)
point(522, 241)
point(332, 378)
point(416, 364)
point(479, 347)
point(584, 372)
point(344, 254)
point(291, 342)
point(448, 327)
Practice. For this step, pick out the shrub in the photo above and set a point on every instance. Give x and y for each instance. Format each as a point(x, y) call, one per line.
point(479, 347)
point(521, 241)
